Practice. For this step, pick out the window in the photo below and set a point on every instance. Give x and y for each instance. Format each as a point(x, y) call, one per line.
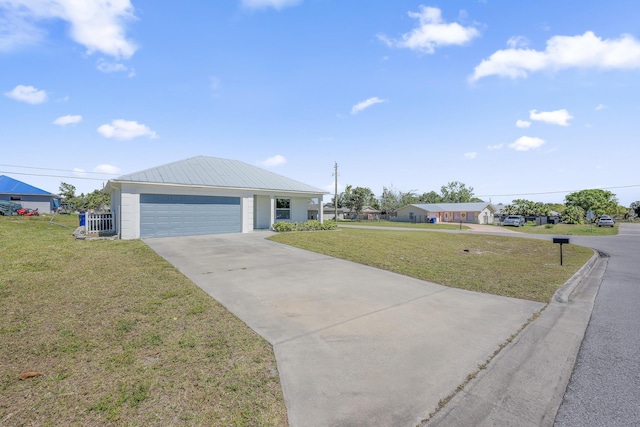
point(15, 198)
point(283, 209)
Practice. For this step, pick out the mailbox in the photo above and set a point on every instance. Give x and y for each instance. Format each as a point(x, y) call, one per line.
point(561, 240)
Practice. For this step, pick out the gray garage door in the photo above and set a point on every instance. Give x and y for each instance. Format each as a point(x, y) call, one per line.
point(163, 215)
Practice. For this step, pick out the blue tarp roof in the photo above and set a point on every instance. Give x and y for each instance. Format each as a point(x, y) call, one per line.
point(13, 186)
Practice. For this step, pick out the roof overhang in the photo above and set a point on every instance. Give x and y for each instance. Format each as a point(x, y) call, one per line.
point(114, 184)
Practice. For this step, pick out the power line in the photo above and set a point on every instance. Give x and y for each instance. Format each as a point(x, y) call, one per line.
point(56, 176)
point(555, 192)
point(59, 170)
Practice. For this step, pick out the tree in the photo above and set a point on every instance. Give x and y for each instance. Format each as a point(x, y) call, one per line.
point(340, 200)
point(97, 199)
point(527, 208)
point(67, 191)
point(357, 198)
point(556, 207)
point(94, 200)
point(600, 202)
point(456, 192)
point(390, 201)
point(636, 207)
point(573, 215)
point(430, 197)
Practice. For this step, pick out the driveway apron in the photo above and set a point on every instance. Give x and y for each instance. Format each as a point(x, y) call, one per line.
point(355, 346)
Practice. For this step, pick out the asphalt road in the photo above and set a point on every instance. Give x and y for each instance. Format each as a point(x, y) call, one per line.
point(604, 389)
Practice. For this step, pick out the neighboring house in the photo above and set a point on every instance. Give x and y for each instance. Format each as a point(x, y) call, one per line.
point(328, 212)
point(27, 195)
point(205, 195)
point(369, 213)
point(476, 212)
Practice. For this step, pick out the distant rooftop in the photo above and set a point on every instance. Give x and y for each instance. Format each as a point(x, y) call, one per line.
point(216, 172)
point(450, 207)
point(13, 186)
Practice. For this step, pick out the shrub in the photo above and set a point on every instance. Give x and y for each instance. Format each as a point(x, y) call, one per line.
point(282, 226)
point(311, 225)
point(548, 225)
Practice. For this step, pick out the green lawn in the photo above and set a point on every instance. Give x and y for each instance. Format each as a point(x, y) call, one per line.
point(121, 338)
point(520, 268)
point(569, 229)
point(426, 226)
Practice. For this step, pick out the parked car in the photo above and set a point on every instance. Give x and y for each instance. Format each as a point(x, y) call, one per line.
point(605, 221)
point(514, 220)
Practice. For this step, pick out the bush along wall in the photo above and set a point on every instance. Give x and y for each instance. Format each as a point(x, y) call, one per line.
point(312, 225)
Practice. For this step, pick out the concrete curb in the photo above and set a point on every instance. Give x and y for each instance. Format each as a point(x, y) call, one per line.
point(525, 384)
point(562, 294)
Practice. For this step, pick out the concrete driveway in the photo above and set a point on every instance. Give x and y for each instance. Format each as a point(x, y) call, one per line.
point(355, 346)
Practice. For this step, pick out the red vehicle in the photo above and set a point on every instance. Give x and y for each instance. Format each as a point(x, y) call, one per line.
point(27, 212)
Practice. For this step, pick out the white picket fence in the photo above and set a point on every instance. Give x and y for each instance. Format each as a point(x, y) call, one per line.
point(100, 223)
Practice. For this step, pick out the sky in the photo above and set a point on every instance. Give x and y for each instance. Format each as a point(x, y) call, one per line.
point(516, 99)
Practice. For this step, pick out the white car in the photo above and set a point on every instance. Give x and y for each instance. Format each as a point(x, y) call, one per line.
point(514, 220)
point(605, 221)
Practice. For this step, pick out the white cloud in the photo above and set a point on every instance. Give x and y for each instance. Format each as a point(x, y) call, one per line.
point(526, 143)
point(79, 172)
point(274, 161)
point(495, 147)
point(125, 129)
point(366, 104)
point(582, 51)
point(16, 31)
point(98, 25)
point(518, 42)
point(108, 169)
point(432, 32)
point(263, 4)
point(67, 120)
point(522, 123)
point(558, 117)
point(601, 107)
point(28, 94)
point(114, 67)
point(471, 155)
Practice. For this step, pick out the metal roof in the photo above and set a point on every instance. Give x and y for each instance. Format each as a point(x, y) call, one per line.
point(13, 186)
point(216, 172)
point(453, 207)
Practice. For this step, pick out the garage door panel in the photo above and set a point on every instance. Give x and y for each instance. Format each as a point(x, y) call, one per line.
point(183, 215)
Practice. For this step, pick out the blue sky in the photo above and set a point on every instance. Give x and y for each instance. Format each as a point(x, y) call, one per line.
point(512, 98)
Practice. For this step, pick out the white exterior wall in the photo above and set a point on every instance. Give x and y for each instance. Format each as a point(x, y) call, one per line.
point(31, 201)
point(263, 212)
point(480, 217)
point(129, 215)
point(299, 209)
point(246, 203)
point(126, 204)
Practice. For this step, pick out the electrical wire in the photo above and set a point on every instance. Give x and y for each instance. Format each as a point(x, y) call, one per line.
point(59, 170)
point(56, 176)
point(555, 192)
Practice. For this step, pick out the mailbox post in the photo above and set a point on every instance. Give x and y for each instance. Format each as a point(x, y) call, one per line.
point(561, 241)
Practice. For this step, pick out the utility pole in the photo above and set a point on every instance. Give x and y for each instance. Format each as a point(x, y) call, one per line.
point(335, 196)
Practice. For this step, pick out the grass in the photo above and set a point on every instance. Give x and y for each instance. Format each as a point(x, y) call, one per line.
point(569, 229)
point(427, 226)
point(521, 268)
point(121, 337)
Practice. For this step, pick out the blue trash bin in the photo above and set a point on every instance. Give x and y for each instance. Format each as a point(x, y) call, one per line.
point(432, 220)
point(83, 220)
